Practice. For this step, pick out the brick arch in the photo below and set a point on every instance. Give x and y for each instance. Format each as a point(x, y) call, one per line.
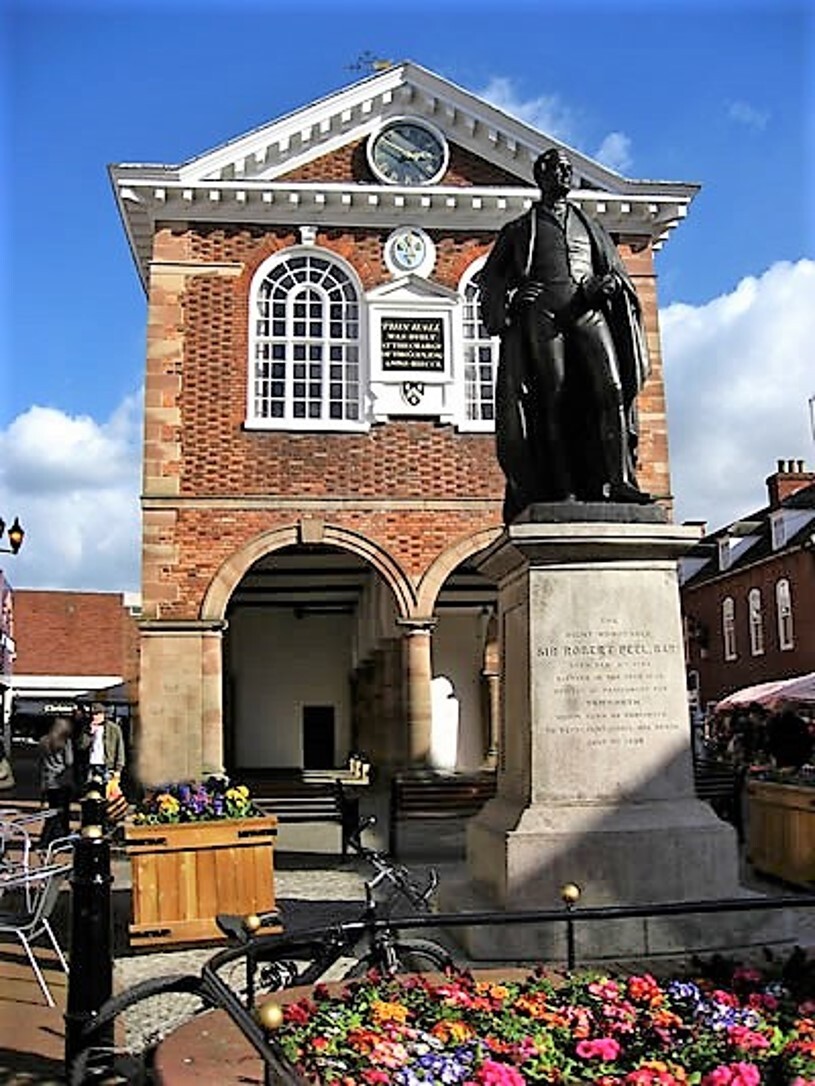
point(437, 573)
point(227, 578)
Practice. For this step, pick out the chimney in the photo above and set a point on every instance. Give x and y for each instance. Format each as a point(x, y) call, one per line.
point(789, 477)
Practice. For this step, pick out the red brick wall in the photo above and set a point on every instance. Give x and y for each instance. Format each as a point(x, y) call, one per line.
point(350, 163)
point(704, 603)
point(74, 633)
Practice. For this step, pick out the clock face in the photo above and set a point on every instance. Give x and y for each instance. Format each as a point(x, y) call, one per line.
point(407, 152)
point(409, 249)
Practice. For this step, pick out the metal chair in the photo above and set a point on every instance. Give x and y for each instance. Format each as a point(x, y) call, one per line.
point(17, 847)
point(40, 887)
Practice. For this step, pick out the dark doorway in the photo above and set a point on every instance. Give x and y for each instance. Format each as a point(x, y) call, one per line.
point(318, 736)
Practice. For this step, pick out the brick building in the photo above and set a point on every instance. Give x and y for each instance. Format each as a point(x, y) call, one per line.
point(68, 645)
point(748, 593)
point(319, 467)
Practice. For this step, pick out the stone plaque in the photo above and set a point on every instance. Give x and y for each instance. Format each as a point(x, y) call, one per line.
point(609, 692)
point(413, 343)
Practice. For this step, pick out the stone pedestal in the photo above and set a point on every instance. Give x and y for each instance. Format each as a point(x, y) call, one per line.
point(595, 781)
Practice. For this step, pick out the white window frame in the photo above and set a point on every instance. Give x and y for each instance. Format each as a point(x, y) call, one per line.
point(783, 611)
point(472, 400)
point(729, 628)
point(756, 621)
point(351, 347)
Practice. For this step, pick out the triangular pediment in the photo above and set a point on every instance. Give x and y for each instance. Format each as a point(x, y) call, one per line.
point(347, 117)
point(309, 168)
point(408, 288)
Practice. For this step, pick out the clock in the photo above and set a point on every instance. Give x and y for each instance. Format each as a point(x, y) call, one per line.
point(408, 152)
point(410, 249)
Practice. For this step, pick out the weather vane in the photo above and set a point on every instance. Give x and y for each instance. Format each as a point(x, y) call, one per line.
point(369, 62)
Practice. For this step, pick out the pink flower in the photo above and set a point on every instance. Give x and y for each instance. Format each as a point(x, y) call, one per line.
point(603, 1048)
point(733, 1074)
point(605, 989)
point(492, 1073)
point(742, 1037)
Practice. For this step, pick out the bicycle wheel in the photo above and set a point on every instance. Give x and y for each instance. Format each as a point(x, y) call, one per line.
point(422, 956)
point(417, 956)
point(138, 1020)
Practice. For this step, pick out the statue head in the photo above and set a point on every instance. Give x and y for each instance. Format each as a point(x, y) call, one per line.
point(553, 173)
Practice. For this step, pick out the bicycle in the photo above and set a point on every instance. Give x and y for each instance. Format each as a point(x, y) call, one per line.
point(271, 963)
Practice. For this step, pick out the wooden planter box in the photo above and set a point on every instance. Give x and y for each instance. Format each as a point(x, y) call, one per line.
point(184, 875)
point(781, 830)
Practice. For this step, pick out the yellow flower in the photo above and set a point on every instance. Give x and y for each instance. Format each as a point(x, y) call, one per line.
point(452, 1031)
point(388, 1012)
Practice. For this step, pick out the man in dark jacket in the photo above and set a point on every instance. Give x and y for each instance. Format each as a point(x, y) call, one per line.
point(573, 352)
point(103, 745)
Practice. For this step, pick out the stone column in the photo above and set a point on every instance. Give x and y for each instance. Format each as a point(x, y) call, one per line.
point(419, 672)
point(491, 674)
point(180, 700)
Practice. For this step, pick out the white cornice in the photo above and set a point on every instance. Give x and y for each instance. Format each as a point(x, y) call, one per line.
point(144, 203)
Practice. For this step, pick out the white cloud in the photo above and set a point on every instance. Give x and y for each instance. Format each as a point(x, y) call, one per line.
point(615, 152)
point(550, 114)
point(739, 376)
point(74, 483)
point(547, 112)
point(746, 114)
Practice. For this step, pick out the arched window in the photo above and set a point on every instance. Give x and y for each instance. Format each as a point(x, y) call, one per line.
point(305, 369)
point(756, 614)
point(480, 358)
point(729, 628)
point(783, 609)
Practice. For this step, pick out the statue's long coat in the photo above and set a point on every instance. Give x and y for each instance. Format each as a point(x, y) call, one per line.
point(508, 268)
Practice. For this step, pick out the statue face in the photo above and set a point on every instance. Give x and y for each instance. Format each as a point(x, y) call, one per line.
point(554, 174)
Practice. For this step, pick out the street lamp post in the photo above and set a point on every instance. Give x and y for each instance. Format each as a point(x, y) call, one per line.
point(16, 534)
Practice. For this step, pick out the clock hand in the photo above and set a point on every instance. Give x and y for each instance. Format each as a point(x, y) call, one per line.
point(403, 154)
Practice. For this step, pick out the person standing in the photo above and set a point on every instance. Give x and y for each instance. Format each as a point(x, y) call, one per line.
point(57, 781)
point(573, 352)
point(103, 744)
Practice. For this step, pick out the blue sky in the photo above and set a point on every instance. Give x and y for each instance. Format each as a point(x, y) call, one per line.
point(715, 93)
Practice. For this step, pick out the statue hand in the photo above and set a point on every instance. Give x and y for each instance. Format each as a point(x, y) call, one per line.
point(597, 287)
point(529, 292)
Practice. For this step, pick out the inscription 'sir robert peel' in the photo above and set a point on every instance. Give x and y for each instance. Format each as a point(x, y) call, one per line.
point(603, 648)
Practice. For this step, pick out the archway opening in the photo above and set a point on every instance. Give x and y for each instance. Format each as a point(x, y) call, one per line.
point(465, 654)
point(312, 664)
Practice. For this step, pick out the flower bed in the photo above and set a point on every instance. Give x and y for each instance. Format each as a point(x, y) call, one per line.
point(191, 801)
point(631, 1031)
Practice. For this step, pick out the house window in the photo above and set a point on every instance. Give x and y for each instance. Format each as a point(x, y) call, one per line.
point(480, 358)
point(305, 345)
point(756, 622)
point(729, 628)
point(783, 608)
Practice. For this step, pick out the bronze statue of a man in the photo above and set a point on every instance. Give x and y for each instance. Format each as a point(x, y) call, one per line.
point(573, 352)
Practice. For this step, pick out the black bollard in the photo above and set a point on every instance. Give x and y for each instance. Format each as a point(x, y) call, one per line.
point(90, 979)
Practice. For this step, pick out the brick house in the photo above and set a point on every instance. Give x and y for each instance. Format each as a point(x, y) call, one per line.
point(748, 593)
point(319, 466)
point(67, 645)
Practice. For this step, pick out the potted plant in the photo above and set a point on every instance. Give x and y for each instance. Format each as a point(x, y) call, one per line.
point(197, 849)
